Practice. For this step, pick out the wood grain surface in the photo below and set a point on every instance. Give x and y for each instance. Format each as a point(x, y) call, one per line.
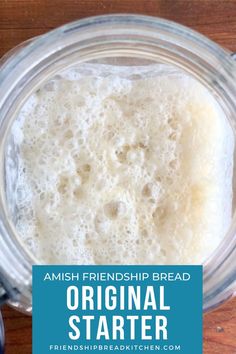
point(23, 19)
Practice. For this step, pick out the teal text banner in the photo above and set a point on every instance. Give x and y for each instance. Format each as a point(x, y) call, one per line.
point(128, 309)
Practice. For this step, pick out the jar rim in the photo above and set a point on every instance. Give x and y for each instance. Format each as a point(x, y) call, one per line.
point(115, 22)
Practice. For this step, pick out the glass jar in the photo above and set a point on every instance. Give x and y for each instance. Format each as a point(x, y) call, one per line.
point(120, 40)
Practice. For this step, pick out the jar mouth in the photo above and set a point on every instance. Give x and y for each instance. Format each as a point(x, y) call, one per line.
point(111, 36)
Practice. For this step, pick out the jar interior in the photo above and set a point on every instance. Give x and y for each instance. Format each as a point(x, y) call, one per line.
point(132, 68)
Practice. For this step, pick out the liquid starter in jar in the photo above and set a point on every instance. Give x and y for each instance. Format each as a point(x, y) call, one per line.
point(123, 166)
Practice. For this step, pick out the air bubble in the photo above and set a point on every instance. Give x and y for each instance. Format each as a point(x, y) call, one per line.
point(78, 193)
point(115, 209)
point(151, 190)
point(63, 185)
point(173, 164)
point(86, 168)
point(144, 233)
point(68, 134)
point(122, 153)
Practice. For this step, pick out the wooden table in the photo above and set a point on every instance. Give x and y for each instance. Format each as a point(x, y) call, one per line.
point(22, 19)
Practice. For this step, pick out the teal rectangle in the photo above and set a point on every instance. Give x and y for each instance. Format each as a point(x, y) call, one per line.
point(184, 318)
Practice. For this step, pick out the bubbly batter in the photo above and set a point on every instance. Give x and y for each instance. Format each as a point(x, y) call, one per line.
point(123, 169)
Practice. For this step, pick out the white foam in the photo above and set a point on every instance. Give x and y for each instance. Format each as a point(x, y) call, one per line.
point(121, 166)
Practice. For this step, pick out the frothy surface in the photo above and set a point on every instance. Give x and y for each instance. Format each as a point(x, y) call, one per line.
point(117, 168)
